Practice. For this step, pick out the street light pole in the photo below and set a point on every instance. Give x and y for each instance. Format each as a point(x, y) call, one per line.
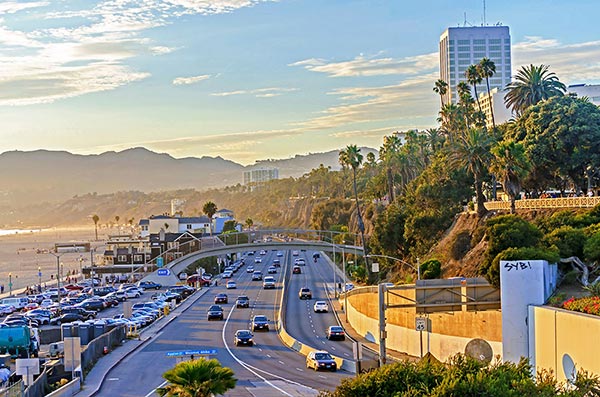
point(417, 268)
point(382, 332)
point(9, 284)
point(39, 275)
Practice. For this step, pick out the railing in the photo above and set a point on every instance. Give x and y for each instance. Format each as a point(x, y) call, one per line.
point(559, 202)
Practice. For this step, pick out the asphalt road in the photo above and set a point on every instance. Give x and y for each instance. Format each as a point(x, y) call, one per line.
point(267, 369)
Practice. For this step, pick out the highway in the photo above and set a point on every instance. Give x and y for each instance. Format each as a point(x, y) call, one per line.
point(267, 369)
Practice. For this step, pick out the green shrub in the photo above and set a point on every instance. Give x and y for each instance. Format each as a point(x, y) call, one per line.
point(591, 249)
point(568, 240)
point(593, 289)
point(431, 269)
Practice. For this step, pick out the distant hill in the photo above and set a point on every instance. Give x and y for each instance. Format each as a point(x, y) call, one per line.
point(43, 176)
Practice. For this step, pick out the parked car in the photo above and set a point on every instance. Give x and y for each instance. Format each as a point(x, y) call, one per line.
point(5, 310)
point(67, 318)
point(214, 312)
point(92, 304)
point(86, 314)
point(148, 285)
point(320, 360)
point(243, 337)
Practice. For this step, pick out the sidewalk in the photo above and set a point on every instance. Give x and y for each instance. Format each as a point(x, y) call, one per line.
point(95, 378)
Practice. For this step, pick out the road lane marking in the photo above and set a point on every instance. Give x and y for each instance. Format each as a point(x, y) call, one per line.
point(281, 362)
point(113, 378)
point(321, 376)
point(300, 369)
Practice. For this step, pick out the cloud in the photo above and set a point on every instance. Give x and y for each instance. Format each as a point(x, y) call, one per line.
point(11, 7)
point(190, 80)
point(362, 66)
point(578, 62)
point(258, 93)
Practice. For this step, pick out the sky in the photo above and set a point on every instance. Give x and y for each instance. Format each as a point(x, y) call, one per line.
point(251, 80)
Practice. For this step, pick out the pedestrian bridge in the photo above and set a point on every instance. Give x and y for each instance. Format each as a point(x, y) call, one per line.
point(278, 239)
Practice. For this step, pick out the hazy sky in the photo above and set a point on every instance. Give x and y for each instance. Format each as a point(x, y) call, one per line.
point(251, 79)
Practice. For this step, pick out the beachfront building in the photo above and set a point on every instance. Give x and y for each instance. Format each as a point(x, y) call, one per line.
point(464, 46)
point(219, 219)
point(174, 224)
point(171, 246)
point(126, 250)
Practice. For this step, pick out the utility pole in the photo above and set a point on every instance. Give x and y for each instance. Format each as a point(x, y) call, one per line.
point(382, 332)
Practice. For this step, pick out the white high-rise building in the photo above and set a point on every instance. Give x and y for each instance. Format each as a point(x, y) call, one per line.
point(464, 46)
point(260, 175)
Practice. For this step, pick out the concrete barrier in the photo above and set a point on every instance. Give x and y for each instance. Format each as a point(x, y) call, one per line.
point(70, 389)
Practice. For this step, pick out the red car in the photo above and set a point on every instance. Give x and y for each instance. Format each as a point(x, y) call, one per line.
point(30, 306)
point(72, 287)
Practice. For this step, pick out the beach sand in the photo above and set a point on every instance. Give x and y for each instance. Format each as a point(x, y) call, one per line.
point(21, 254)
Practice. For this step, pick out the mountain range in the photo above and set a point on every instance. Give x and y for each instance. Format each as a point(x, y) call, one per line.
point(43, 176)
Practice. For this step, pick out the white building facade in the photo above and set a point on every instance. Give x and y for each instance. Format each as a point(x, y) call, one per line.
point(260, 175)
point(464, 46)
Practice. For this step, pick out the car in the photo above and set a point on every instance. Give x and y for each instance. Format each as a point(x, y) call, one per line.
point(132, 293)
point(72, 287)
point(5, 310)
point(41, 315)
point(295, 253)
point(257, 275)
point(335, 332)
point(257, 260)
point(300, 261)
point(231, 285)
point(320, 359)
point(30, 306)
point(348, 287)
point(148, 285)
point(296, 269)
point(86, 314)
point(260, 322)
point(242, 301)
point(263, 252)
point(214, 312)
point(92, 304)
point(183, 290)
point(67, 318)
point(221, 298)
point(276, 263)
point(305, 293)
point(121, 296)
point(321, 307)
point(227, 274)
point(250, 269)
point(46, 303)
point(272, 270)
point(269, 282)
point(243, 337)
point(279, 254)
point(250, 253)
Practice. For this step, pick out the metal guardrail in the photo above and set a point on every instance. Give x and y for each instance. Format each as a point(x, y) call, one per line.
point(559, 202)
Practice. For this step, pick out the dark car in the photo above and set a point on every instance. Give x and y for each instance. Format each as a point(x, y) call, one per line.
point(260, 322)
point(221, 298)
point(86, 314)
point(214, 312)
point(182, 290)
point(197, 278)
point(320, 360)
point(67, 318)
point(243, 337)
point(103, 291)
point(335, 332)
point(148, 285)
point(242, 301)
point(92, 304)
point(296, 269)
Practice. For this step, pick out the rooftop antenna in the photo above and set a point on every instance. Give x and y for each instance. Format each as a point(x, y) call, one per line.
point(484, 21)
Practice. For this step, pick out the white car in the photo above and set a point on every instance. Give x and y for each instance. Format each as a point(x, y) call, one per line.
point(47, 303)
point(132, 293)
point(6, 310)
point(321, 307)
point(257, 260)
point(227, 274)
point(295, 253)
point(231, 285)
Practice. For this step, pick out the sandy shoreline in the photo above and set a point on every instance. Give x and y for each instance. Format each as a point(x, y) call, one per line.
point(21, 254)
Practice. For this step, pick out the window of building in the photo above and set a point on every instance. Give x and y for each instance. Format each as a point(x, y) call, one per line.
point(451, 42)
point(189, 227)
point(464, 48)
point(138, 258)
point(507, 41)
point(464, 62)
point(479, 55)
point(462, 55)
point(173, 244)
point(478, 41)
point(464, 42)
point(452, 62)
point(122, 258)
point(495, 48)
point(496, 55)
point(479, 48)
point(495, 41)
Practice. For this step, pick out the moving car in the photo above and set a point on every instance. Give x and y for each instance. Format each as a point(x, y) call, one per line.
point(257, 275)
point(320, 359)
point(227, 274)
point(269, 282)
point(296, 269)
point(214, 312)
point(280, 253)
point(231, 285)
point(260, 322)
point(335, 332)
point(300, 261)
point(263, 252)
point(242, 301)
point(257, 260)
point(321, 307)
point(250, 269)
point(243, 337)
point(272, 270)
point(221, 298)
point(276, 263)
point(305, 293)
point(295, 253)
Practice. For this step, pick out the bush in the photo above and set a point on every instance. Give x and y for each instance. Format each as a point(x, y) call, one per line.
point(568, 240)
point(461, 245)
point(591, 249)
point(514, 254)
point(430, 269)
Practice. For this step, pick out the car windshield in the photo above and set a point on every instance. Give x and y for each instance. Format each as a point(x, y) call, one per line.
point(260, 318)
point(320, 303)
point(243, 298)
point(215, 308)
point(323, 356)
point(337, 329)
point(244, 334)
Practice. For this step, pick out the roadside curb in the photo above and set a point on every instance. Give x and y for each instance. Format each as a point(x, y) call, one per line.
point(198, 294)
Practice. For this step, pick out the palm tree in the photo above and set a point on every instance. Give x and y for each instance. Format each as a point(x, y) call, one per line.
point(351, 157)
point(511, 165)
point(388, 153)
point(474, 78)
point(249, 222)
point(441, 87)
point(465, 101)
point(209, 208)
point(532, 84)
point(96, 218)
point(197, 378)
point(487, 68)
point(472, 151)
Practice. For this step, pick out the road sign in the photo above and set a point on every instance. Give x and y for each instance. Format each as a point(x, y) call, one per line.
point(159, 262)
point(420, 323)
point(39, 274)
point(163, 272)
point(202, 352)
point(375, 267)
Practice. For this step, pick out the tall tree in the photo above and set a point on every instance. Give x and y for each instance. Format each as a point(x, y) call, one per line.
point(96, 218)
point(474, 78)
point(352, 158)
point(487, 68)
point(511, 165)
point(209, 208)
point(388, 153)
point(249, 223)
point(472, 151)
point(441, 88)
point(197, 378)
point(531, 85)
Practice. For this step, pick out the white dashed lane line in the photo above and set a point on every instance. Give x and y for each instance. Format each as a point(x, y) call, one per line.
point(281, 362)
